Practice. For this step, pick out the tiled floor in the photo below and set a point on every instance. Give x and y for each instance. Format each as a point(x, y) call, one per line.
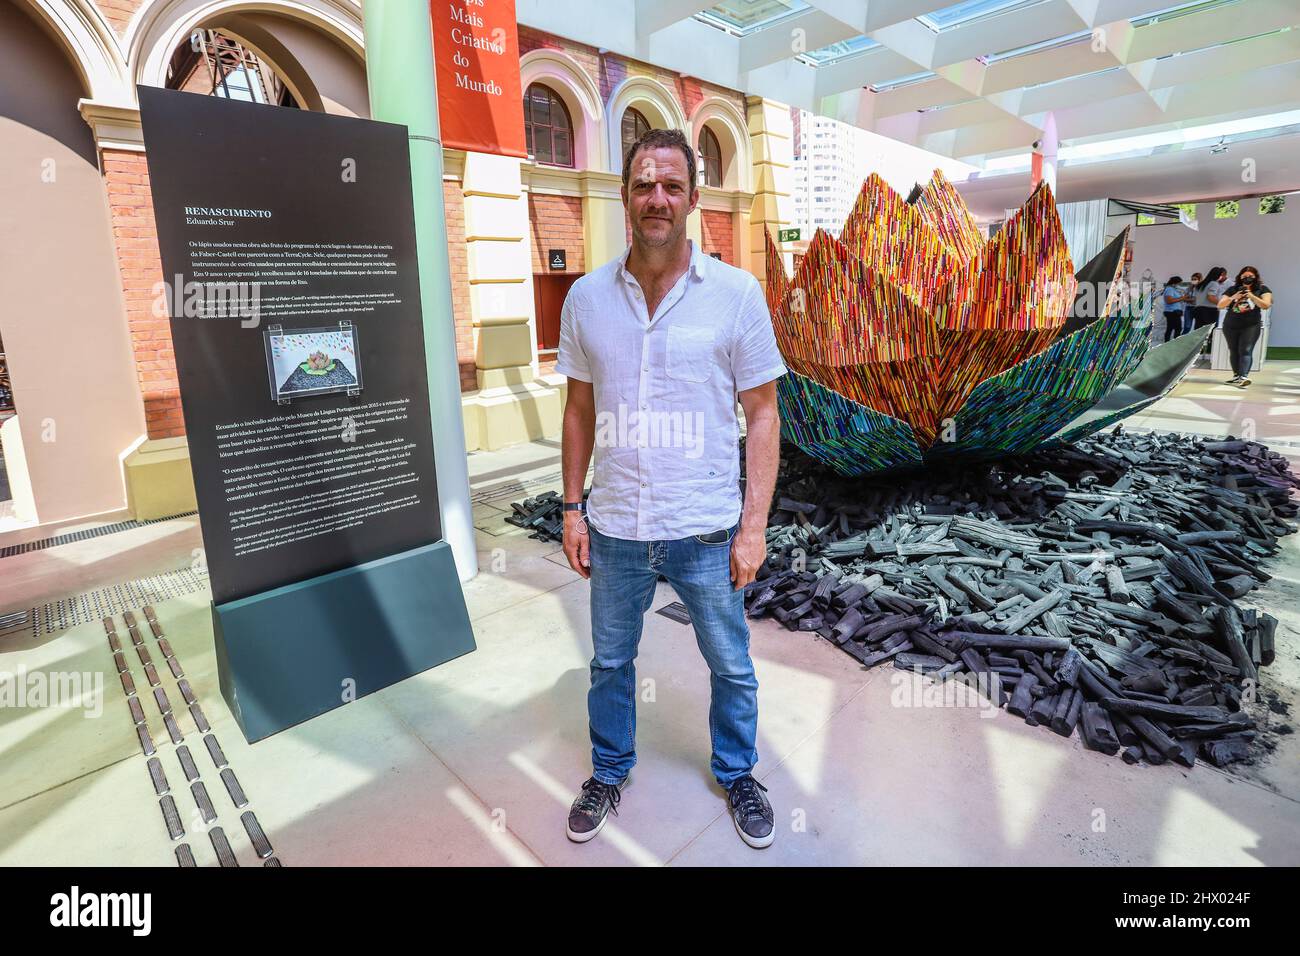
point(475, 762)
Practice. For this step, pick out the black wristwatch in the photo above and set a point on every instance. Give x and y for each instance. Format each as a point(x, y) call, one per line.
point(575, 506)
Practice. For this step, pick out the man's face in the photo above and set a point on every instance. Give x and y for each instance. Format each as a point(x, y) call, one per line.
point(658, 196)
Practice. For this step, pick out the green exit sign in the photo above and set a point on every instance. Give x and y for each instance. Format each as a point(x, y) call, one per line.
point(787, 235)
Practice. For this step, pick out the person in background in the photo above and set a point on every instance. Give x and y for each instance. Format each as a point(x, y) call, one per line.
point(1205, 307)
point(1174, 298)
point(1246, 299)
point(1189, 300)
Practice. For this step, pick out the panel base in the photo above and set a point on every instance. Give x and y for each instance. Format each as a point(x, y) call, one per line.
point(292, 653)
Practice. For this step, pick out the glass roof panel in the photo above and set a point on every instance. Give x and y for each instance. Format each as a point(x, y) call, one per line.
point(969, 10)
point(746, 16)
point(837, 51)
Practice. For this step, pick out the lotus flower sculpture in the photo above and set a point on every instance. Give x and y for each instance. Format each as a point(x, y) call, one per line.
point(911, 338)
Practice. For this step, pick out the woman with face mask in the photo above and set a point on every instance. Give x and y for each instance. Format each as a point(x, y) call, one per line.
point(1245, 300)
point(1174, 296)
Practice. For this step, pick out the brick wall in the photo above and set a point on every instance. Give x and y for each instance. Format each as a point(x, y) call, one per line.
point(119, 12)
point(556, 223)
point(126, 180)
point(453, 198)
point(719, 232)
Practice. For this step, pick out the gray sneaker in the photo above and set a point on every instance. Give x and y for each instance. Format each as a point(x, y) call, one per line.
point(751, 812)
point(592, 806)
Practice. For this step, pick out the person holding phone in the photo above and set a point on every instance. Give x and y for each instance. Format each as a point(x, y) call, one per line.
point(1246, 299)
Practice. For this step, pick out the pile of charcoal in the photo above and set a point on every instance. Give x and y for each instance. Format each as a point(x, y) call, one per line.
point(542, 516)
point(1090, 586)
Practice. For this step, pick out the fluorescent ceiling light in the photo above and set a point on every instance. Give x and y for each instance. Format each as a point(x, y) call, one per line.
point(902, 81)
point(1037, 47)
point(1223, 43)
point(1178, 10)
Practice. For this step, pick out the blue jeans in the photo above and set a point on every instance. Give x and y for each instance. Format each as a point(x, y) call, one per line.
point(623, 576)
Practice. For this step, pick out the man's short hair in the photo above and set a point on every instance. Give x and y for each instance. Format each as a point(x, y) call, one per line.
point(657, 139)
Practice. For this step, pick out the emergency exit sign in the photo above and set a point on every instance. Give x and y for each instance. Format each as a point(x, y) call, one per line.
point(787, 235)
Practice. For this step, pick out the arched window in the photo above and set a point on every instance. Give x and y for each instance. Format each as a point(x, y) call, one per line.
point(211, 62)
point(710, 159)
point(634, 127)
point(547, 127)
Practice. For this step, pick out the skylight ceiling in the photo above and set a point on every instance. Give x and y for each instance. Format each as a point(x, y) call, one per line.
point(748, 16)
point(1103, 67)
point(838, 51)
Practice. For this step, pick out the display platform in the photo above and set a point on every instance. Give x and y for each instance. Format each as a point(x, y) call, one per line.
point(1220, 361)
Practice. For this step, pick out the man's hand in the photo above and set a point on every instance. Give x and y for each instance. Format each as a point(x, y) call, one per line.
point(748, 552)
point(577, 543)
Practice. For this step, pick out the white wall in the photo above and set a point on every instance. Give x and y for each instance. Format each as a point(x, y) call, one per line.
point(1268, 243)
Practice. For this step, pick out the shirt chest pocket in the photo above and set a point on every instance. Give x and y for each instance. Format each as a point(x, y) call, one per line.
point(690, 353)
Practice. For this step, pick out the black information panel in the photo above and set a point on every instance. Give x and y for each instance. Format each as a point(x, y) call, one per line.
point(288, 250)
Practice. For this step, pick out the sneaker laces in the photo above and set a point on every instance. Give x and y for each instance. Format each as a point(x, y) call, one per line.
point(747, 800)
point(594, 793)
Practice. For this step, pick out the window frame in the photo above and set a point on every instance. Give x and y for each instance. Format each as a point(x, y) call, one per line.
point(532, 128)
point(638, 119)
point(707, 135)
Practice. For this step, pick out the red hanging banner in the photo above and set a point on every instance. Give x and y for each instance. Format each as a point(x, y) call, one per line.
point(480, 102)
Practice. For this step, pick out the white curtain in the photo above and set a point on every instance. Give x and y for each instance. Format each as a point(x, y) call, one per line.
point(1085, 228)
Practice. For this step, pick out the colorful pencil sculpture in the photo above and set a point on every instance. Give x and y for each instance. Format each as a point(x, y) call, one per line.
point(911, 338)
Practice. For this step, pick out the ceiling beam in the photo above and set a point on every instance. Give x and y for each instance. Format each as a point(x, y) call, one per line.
point(654, 15)
point(802, 33)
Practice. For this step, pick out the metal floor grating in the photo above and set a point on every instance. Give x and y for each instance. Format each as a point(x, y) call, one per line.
point(85, 533)
point(513, 488)
point(108, 601)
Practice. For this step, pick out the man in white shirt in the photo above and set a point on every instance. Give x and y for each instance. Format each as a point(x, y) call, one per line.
point(658, 345)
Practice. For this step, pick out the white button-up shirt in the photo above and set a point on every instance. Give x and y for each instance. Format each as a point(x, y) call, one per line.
point(667, 436)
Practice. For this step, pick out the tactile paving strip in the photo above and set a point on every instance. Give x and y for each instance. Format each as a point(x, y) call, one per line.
point(225, 855)
point(160, 784)
point(171, 817)
point(261, 845)
point(104, 602)
point(187, 763)
point(84, 534)
point(203, 801)
point(234, 789)
point(209, 815)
